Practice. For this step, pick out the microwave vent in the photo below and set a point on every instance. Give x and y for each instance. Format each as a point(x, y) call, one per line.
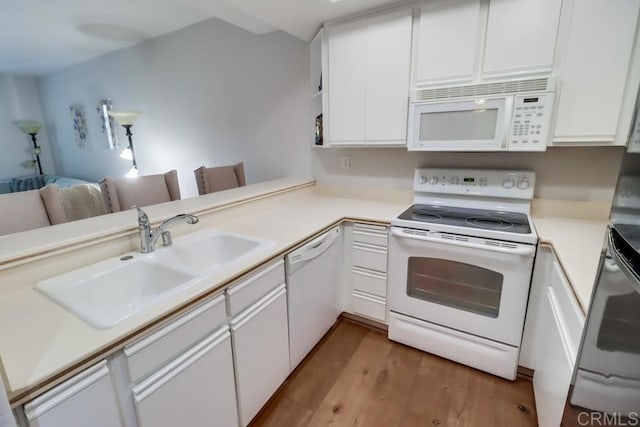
point(483, 89)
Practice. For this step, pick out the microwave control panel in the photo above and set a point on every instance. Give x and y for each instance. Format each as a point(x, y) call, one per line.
point(530, 122)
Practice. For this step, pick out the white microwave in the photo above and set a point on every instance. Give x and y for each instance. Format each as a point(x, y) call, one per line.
point(514, 122)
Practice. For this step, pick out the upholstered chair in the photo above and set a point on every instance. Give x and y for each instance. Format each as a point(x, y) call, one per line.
point(123, 194)
point(220, 178)
point(27, 210)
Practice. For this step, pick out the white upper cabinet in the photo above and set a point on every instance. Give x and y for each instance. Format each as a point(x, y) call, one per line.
point(594, 73)
point(387, 90)
point(347, 81)
point(521, 37)
point(447, 41)
point(470, 41)
point(369, 67)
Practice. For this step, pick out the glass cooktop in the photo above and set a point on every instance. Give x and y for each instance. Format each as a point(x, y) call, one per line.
point(512, 222)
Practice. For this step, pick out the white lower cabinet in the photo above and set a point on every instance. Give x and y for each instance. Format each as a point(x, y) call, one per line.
point(195, 389)
point(88, 399)
point(260, 336)
point(369, 271)
point(560, 324)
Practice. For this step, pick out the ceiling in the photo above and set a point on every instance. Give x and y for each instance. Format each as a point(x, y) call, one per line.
point(38, 37)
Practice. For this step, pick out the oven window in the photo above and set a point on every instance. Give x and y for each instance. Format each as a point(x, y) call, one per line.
point(459, 125)
point(455, 284)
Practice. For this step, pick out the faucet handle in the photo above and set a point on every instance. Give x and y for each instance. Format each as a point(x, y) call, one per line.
point(142, 216)
point(166, 238)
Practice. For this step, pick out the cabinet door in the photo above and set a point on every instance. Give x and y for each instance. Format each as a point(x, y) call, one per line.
point(447, 41)
point(593, 70)
point(521, 37)
point(554, 364)
point(387, 78)
point(88, 399)
point(347, 73)
point(261, 350)
point(196, 389)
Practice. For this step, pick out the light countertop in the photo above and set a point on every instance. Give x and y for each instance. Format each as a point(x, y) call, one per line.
point(39, 340)
point(41, 343)
point(577, 243)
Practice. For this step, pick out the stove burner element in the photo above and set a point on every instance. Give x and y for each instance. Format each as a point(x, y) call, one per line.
point(419, 216)
point(428, 213)
point(488, 222)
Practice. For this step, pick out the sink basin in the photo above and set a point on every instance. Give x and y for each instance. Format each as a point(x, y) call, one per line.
point(106, 293)
point(204, 252)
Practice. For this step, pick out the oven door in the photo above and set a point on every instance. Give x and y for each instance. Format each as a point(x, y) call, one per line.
point(461, 125)
point(474, 285)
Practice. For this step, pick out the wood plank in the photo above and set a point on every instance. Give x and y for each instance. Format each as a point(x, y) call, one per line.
point(283, 412)
point(432, 393)
point(388, 399)
point(356, 377)
point(315, 376)
point(343, 403)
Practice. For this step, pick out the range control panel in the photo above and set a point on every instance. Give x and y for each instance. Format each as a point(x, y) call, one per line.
point(477, 182)
point(530, 122)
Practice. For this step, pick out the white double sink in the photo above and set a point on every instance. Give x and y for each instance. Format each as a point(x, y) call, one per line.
point(106, 293)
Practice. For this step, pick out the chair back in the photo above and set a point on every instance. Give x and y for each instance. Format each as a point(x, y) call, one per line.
point(31, 209)
point(123, 194)
point(220, 178)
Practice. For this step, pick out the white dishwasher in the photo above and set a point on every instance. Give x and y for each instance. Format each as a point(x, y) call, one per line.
point(313, 275)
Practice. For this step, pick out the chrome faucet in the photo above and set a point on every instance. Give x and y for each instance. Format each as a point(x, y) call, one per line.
point(149, 236)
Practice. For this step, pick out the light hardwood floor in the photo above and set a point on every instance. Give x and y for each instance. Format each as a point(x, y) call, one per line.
point(357, 377)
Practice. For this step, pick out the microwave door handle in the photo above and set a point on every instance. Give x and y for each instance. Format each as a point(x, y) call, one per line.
point(523, 250)
point(508, 117)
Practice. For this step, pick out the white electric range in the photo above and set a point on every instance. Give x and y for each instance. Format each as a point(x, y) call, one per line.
point(460, 263)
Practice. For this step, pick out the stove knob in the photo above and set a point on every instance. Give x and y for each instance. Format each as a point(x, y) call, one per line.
point(433, 180)
point(508, 183)
point(523, 184)
point(422, 180)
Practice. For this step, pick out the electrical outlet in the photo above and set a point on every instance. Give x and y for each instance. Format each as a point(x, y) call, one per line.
point(346, 162)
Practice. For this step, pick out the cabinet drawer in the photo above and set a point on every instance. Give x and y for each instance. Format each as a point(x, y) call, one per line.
point(369, 281)
point(568, 306)
point(370, 306)
point(195, 389)
point(254, 286)
point(155, 349)
point(370, 256)
point(88, 399)
point(370, 234)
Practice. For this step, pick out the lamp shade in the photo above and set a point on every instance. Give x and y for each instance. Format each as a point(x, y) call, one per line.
point(29, 127)
point(124, 118)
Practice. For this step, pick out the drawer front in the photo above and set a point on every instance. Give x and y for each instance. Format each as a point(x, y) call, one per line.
point(88, 399)
point(196, 389)
point(256, 285)
point(155, 349)
point(568, 306)
point(371, 234)
point(370, 257)
point(369, 281)
point(370, 306)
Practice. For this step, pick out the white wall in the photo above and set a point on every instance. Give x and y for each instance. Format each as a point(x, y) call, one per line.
point(210, 94)
point(19, 100)
point(568, 173)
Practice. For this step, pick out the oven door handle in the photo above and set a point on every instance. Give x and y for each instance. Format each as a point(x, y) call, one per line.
point(523, 250)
